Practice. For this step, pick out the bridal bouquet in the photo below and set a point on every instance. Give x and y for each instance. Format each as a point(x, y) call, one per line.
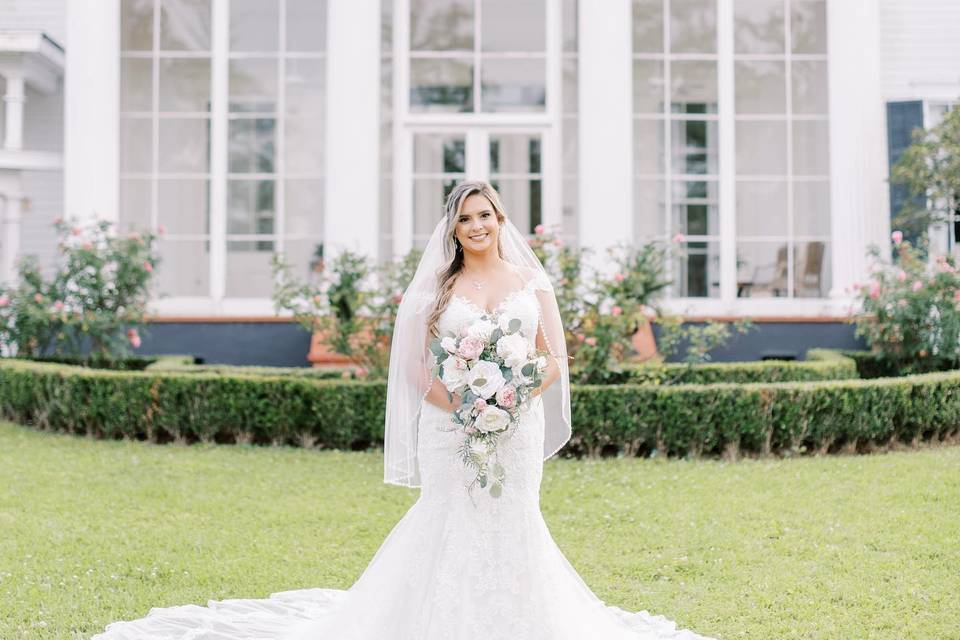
point(494, 369)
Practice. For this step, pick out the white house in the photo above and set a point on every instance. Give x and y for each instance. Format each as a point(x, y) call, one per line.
point(762, 130)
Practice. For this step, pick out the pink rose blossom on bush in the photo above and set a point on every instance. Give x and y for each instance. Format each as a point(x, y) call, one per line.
point(506, 396)
point(470, 348)
point(4, 301)
point(148, 267)
point(902, 275)
point(361, 372)
point(133, 337)
point(161, 229)
point(619, 277)
point(591, 341)
point(679, 238)
point(956, 295)
point(539, 229)
point(88, 246)
point(897, 237)
point(581, 337)
point(58, 305)
point(616, 310)
point(37, 297)
point(917, 286)
point(874, 290)
point(558, 242)
point(76, 231)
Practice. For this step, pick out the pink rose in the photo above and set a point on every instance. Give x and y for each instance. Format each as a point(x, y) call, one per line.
point(148, 267)
point(902, 276)
point(37, 297)
point(58, 220)
point(539, 229)
point(558, 242)
point(318, 299)
point(956, 295)
point(4, 301)
point(470, 348)
point(133, 337)
point(616, 310)
point(479, 405)
point(901, 303)
point(161, 229)
point(507, 396)
point(874, 290)
point(361, 372)
point(619, 277)
point(591, 341)
point(581, 337)
point(76, 231)
point(897, 237)
point(58, 305)
point(397, 298)
point(917, 286)
point(679, 238)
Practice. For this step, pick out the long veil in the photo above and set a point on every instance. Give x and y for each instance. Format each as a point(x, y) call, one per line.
point(409, 377)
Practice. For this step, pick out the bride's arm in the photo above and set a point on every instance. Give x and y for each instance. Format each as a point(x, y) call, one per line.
point(437, 395)
point(552, 373)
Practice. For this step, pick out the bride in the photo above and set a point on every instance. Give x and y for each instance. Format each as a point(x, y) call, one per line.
point(462, 563)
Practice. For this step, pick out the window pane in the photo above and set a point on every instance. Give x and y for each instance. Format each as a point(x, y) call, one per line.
point(694, 144)
point(251, 145)
point(439, 153)
point(513, 84)
point(647, 86)
point(307, 25)
point(135, 199)
point(248, 269)
point(569, 19)
point(136, 145)
point(184, 268)
point(254, 25)
point(810, 87)
point(522, 200)
point(811, 270)
point(304, 207)
point(761, 87)
point(253, 85)
point(648, 26)
point(693, 87)
point(184, 84)
point(648, 146)
point(811, 148)
point(695, 208)
point(571, 193)
point(250, 206)
point(759, 26)
point(761, 208)
point(136, 25)
point(305, 87)
point(762, 270)
point(693, 26)
point(441, 86)
point(441, 25)
point(513, 25)
point(570, 97)
point(185, 25)
point(184, 145)
point(696, 270)
point(761, 148)
point(304, 145)
point(136, 84)
point(182, 206)
point(514, 153)
point(300, 253)
point(808, 26)
point(648, 209)
point(811, 208)
point(429, 195)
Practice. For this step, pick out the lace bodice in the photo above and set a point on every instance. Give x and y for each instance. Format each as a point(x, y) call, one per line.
point(520, 303)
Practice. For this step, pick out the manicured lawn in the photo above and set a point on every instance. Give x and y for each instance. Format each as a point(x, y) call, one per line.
point(835, 547)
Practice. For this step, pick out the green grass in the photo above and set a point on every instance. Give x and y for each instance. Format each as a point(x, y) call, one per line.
point(832, 547)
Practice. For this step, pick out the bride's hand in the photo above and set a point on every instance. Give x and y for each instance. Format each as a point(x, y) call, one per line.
point(437, 395)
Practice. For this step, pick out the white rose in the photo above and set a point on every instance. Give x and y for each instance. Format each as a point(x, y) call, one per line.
point(454, 371)
point(514, 349)
point(541, 364)
point(449, 344)
point(481, 329)
point(518, 377)
point(485, 379)
point(493, 419)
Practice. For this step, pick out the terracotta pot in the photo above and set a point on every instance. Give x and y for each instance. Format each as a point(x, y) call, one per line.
point(644, 342)
point(321, 355)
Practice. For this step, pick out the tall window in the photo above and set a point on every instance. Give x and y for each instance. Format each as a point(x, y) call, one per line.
point(676, 185)
point(272, 97)
point(570, 107)
point(783, 189)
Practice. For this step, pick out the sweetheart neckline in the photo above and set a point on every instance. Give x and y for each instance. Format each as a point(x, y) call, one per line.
point(497, 307)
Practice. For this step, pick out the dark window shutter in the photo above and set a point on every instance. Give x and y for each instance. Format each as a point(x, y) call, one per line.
point(902, 119)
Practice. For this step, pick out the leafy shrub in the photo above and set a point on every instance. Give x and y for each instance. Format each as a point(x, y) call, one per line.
point(911, 311)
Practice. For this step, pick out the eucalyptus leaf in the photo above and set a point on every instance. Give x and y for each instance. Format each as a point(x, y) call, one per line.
point(498, 470)
point(507, 374)
point(496, 489)
point(514, 325)
point(479, 382)
point(528, 369)
point(436, 347)
point(496, 335)
point(483, 481)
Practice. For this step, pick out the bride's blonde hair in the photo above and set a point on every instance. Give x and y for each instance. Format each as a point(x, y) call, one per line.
point(451, 250)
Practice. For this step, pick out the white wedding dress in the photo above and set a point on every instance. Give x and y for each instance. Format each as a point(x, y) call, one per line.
point(451, 569)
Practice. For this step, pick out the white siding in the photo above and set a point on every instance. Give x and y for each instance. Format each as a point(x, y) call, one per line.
point(44, 192)
point(920, 49)
point(48, 16)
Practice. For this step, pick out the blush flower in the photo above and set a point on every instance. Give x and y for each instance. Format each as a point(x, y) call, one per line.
point(470, 348)
point(507, 396)
point(897, 237)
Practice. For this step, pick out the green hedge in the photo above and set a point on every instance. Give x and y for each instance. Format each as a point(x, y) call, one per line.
point(636, 419)
point(185, 364)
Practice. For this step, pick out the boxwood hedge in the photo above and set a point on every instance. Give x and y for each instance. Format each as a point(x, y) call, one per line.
point(635, 419)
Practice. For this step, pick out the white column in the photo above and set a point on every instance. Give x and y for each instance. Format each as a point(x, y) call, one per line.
point(10, 249)
point(351, 220)
point(92, 109)
point(728, 153)
point(606, 127)
point(219, 79)
point(857, 155)
point(13, 100)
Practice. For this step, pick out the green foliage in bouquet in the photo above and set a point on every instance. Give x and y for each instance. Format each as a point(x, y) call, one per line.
point(910, 311)
point(98, 291)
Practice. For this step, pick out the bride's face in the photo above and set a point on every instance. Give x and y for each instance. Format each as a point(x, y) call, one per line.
point(477, 225)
